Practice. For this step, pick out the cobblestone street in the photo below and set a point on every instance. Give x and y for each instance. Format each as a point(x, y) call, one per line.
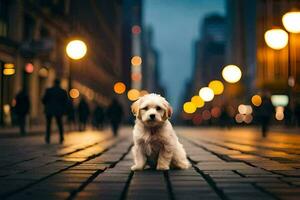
point(227, 164)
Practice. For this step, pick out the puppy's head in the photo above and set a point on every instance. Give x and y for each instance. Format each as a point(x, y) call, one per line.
point(152, 109)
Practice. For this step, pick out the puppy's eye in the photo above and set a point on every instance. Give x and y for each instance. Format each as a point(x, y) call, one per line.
point(145, 108)
point(158, 108)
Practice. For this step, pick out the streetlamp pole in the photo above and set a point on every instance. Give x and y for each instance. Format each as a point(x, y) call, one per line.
point(76, 49)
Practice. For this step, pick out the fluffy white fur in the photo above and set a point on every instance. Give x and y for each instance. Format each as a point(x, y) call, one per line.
point(155, 141)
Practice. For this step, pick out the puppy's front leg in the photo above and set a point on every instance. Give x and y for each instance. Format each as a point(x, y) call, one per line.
point(164, 158)
point(139, 158)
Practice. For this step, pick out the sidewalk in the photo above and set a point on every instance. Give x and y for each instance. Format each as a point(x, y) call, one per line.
point(226, 164)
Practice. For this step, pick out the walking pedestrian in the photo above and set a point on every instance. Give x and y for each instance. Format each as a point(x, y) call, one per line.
point(22, 109)
point(115, 115)
point(297, 113)
point(266, 111)
point(55, 101)
point(98, 117)
point(83, 114)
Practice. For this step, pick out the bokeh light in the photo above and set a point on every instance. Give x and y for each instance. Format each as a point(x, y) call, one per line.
point(29, 68)
point(245, 109)
point(276, 38)
point(197, 101)
point(197, 119)
point(279, 100)
point(133, 94)
point(189, 107)
point(76, 49)
point(136, 29)
point(216, 112)
point(248, 119)
point(43, 72)
point(206, 94)
point(136, 76)
point(217, 87)
point(291, 21)
point(136, 61)
point(231, 73)
point(206, 115)
point(119, 87)
point(256, 100)
point(279, 115)
point(239, 118)
point(9, 72)
point(74, 93)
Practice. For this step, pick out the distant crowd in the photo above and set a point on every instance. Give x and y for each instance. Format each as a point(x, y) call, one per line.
point(57, 104)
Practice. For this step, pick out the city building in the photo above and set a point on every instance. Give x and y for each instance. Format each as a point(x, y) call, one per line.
point(151, 64)
point(277, 70)
point(33, 38)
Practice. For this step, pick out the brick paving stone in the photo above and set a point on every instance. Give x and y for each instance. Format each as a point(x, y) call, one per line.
point(93, 165)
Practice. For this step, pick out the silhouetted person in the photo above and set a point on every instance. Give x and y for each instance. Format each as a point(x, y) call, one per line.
point(98, 117)
point(266, 111)
point(22, 109)
point(288, 115)
point(55, 101)
point(224, 117)
point(297, 113)
point(83, 114)
point(115, 115)
point(71, 115)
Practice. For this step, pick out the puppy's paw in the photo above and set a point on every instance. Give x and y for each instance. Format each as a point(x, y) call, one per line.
point(161, 167)
point(136, 168)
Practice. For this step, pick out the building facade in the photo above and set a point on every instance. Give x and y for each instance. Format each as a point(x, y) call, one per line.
point(33, 37)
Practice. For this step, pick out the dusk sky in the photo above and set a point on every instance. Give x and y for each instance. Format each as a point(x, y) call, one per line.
point(176, 25)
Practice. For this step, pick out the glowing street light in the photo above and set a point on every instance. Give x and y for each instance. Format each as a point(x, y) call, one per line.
point(74, 93)
point(189, 107)
point(76, 49)
point(133, 94)
point(256, 100)
point(119, 87)
point(291, 21)
point(216, 86)
point(197, 101)
point(231, 73)
point(276, 38)
point(206, 94)
point(136, 61)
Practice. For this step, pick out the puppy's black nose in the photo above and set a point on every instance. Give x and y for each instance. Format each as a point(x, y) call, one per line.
point(152, 116)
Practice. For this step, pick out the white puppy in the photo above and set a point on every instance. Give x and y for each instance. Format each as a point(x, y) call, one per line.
point(155, 141)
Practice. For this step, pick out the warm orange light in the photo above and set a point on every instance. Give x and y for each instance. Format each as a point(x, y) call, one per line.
point(76, 49)
point(136, 61)
point(291, 21)
point(136, 76)
point(256, 100)
point(119, 88)
point(29, 68)
point(9, 65)
point(8, 72)
point(43, 72)
point(74, 93)
point(276, 38)
point(133, 94)
point(216, 86)
point(197, 101)
point(189, 107)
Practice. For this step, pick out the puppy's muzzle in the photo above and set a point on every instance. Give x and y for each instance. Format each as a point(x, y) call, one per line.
point(152, 117)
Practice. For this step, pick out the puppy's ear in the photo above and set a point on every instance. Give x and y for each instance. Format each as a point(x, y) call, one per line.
point(169, 109)
point(135, 108)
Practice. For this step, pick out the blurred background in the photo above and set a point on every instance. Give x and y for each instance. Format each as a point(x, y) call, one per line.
point(216, 61)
